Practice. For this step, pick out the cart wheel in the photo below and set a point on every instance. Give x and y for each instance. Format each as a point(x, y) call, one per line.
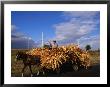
point(75, 67)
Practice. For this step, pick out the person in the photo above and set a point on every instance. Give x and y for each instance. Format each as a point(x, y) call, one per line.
point(53, 44)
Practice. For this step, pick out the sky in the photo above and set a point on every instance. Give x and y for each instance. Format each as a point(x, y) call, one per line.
point(63, 26)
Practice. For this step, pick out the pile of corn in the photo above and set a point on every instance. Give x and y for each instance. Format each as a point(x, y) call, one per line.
point(34, 51)
point(78, 55)
point(53, 58)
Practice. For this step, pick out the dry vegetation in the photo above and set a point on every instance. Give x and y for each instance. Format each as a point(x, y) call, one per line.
point(54, 58)
point(94, 57)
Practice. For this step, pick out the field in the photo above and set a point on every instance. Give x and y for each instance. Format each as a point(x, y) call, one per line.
point(93, 71)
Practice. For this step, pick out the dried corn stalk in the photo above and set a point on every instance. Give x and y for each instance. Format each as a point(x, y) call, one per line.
point(53, 58)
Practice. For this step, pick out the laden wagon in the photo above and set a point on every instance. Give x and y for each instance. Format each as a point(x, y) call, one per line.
point(53, 59)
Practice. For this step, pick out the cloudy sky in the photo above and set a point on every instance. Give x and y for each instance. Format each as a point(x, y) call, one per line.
point(65, 27)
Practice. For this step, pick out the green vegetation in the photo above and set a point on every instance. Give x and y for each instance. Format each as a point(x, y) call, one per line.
point(88, 47)
point(46, 46)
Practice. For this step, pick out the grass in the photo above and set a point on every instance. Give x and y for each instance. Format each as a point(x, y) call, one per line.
point(16, 66)
point(94, 57)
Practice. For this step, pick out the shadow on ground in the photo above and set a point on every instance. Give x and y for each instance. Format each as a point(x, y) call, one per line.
point(93, 71)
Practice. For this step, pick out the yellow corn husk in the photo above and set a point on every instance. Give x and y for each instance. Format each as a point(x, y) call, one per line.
point(53, 58)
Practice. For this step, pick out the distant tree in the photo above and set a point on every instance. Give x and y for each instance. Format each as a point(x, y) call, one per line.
point(46, 46)
point(98, 49)
point(87, 47)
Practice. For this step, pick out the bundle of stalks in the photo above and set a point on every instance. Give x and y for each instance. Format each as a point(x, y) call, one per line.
point(78, 55)
point(55, 57)
point(52, 59)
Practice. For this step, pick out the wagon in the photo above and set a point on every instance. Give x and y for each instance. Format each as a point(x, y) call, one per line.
point(56, 58)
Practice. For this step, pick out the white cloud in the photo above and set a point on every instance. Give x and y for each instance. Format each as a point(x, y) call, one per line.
point(13, 27)
point(94, 41)
point(20, 40)
point(81, 14)
point(76, 26)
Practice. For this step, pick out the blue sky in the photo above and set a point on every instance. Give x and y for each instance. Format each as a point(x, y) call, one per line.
point(65, 27)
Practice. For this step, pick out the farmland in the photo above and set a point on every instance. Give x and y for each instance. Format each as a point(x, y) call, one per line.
point(94, 70)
